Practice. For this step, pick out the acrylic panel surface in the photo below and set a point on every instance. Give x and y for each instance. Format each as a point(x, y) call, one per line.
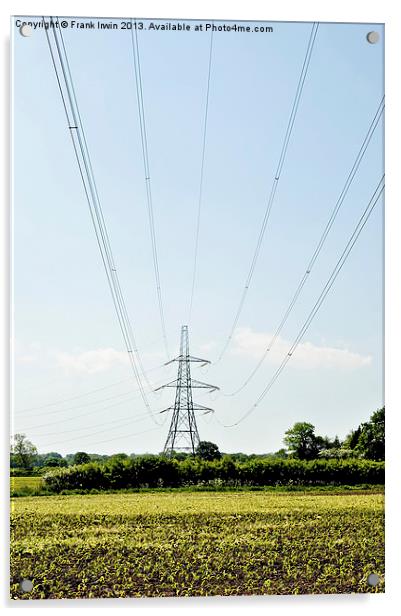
point(198, 403)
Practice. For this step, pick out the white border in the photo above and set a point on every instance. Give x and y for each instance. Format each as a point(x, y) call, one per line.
point(380, 11)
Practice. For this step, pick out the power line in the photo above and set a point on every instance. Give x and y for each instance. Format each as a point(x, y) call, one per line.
point(114, 438)
point(115, 282)
point(100, 230)
point(87, 393)
point(78, 406)
point(86, 404)
point(61, 401)
point(351, 242)
point(86, 414)
point(201, 180)
point(149, 200)
point(92, 412)
point(37, 385)
point(81, 150)
point(100, 217)
point(320, 244)
point(276, 179)
point(107, 423)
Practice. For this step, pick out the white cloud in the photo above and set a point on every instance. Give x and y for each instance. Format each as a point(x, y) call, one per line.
point(91, 362)
point(26, 359)
point(27, 353)
point(249, 343)
point(206, 347)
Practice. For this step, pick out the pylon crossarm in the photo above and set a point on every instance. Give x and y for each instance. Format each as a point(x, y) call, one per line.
point(201, 385)
point(199, 360)
point(190, 358)
point(200, 407)
point(171, 361)
point(171, 384)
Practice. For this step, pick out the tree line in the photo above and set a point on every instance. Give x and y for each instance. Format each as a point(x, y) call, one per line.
point(301, 443)
point(367, 441)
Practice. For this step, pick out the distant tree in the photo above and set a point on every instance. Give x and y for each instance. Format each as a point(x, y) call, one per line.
point(352, 438)
point(239, 456)
point(256, 456)
point(23, 451)
point(302, 442)
point(81, 458)
point(371, 439)
point(41, 458)
point(53, 454)
point(53, 461)
point(177, 455)
point(368, 440)
point(207, 451)
point(325, 442)
point(97, 457)
point(117, 456)
point(281, 453)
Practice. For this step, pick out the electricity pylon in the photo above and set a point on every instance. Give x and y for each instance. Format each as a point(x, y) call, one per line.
point(183, 433)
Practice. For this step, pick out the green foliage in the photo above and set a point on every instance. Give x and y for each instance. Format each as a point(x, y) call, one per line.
point(98, 457)
point(368, 440)
point(371, 438)
point(53, 454)
point(178, 455)
point(195, 544)
point(281, 453)
point(23, 452)
point(94, 457)
point(39, 460)
point(17, 483)
point(116, 456)
point(239, 456)
point(335, 444)
point(22, 472)
point(158, 471)
point(26, 486)
point(302, 442)
point(81, 457)
point(208, 451)
point(53, 461)
point(351, 440)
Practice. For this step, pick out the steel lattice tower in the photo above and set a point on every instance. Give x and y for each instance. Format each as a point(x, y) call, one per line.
point(183, 433)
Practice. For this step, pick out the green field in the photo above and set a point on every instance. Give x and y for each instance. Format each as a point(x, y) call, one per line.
point(180, 544)
point(28, 483)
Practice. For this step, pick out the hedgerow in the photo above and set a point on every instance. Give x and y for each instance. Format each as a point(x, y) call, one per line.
point(159, 471)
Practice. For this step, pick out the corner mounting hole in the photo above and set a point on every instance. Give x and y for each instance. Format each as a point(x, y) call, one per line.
point(26, 585)
point(373, 579)
point(372, 37)
point(25, 30)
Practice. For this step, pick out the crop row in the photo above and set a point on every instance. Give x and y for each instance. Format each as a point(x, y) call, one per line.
point(198, 544)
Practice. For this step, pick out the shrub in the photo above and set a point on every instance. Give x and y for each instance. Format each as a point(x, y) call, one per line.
point(158, 471)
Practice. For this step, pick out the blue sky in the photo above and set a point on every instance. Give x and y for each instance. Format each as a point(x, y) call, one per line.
point(67, 340)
